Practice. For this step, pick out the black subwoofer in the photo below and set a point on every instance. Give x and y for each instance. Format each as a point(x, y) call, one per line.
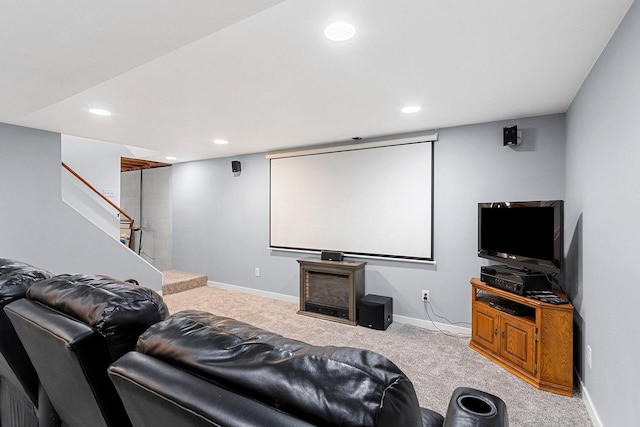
point(375, 311)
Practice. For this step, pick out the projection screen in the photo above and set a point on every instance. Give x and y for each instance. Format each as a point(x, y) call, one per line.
point(370, 200)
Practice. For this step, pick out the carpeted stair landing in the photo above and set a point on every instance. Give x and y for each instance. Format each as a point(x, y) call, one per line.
point(174, 281)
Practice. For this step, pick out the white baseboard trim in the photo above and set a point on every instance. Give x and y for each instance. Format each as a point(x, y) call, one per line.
point(433, 326)
point(420, 323)
point(258, 292)
point(588, 403)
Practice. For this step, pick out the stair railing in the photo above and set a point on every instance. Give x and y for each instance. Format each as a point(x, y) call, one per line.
point(126, 223)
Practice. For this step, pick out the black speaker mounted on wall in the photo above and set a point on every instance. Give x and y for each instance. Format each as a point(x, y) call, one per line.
point(236, 166)
point(510, 136)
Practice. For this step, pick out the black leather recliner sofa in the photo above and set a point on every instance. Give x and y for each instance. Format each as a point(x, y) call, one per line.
point(197, 369)
point(73, 327)
point(192, 369)
point(23, 402)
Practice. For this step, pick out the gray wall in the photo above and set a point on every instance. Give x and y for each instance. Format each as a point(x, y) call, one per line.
point(601, 215)
point(221, 222)
point(39, 228)
point(155, 218)
point(97, 162)
point(130, 197)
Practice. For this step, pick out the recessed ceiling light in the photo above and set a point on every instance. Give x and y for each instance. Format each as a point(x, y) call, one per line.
point(339, 31)
point(171, 158)
point(220, 141)
point(411, 109)
point(100, 112)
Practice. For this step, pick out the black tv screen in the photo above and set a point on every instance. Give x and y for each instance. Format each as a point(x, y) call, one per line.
point(524, 234)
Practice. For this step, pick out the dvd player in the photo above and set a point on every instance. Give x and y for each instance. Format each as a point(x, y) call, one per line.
point(514, 280)
point(513, 308)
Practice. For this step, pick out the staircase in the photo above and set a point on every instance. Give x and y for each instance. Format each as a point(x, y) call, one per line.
point(177, 281)
point(126, 221)
point(92, 220)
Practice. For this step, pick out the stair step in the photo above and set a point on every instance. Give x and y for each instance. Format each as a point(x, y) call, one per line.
point(174, 281)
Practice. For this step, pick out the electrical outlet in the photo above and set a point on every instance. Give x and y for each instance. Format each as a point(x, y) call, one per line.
point(257, 271)
point(425, 296)
point(589, 359)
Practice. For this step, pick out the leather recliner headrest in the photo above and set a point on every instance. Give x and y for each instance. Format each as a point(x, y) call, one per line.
point(118, 311)
point(15, 279)
point(332, 385)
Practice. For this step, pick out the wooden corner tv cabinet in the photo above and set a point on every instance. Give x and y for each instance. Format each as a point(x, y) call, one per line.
point(330, 289)
point(537, 347)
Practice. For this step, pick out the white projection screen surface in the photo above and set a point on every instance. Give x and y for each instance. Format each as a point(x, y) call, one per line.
point(373, 202)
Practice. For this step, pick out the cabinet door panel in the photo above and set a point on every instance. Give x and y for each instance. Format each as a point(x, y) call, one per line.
point(518, 342)
point(485, 327)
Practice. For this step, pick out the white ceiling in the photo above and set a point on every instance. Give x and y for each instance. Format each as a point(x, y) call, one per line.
point(259, 73)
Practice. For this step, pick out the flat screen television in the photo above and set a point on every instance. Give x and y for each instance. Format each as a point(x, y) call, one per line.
point(526, 235)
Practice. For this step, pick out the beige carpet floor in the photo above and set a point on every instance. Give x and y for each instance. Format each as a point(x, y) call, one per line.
point(435, 363)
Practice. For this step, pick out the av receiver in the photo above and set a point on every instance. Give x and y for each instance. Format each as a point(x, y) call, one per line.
point(514, 280)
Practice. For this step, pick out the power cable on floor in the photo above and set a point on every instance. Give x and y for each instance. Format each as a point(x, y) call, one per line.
point(427, 304)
